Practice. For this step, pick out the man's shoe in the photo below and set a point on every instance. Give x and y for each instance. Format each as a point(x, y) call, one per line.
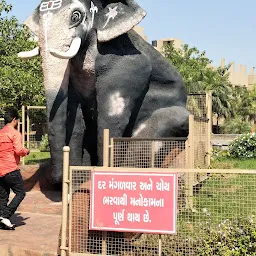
point(4, 227)
point(7, 223)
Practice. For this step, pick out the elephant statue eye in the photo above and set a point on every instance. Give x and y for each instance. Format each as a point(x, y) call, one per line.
point(76, 17)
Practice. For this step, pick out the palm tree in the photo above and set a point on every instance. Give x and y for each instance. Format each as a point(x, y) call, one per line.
point(201, 77)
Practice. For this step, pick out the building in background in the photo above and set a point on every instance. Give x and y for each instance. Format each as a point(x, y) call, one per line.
point(160, 44)
point(238, 74)
point(140, 31)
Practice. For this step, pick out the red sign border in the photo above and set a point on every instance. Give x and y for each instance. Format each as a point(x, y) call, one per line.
point(175, 200)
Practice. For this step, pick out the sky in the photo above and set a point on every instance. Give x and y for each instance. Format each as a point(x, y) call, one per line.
point(222, 28)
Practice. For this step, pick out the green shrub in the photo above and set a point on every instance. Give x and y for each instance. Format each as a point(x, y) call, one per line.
point(229, 238)
point(235, 126)
point(219, 154)
point(243, 146)
point(172, 245)
point(44, 144)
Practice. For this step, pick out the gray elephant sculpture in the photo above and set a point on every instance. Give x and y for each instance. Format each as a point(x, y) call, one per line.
point(100, 74)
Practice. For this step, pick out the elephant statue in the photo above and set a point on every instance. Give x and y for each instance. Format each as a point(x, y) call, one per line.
point(100, 74)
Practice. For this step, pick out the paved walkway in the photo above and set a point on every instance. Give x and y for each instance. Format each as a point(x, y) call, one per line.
point(38, 221)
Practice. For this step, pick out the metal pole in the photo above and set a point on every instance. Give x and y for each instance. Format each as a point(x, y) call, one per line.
point(106, 148)
point(105, 164)
point(191, 159)
point(111, 152)
point(209, 130)
point(160, 245)
point(65, 189)
point(153, 154)
point(28, 128)
point(23, 131)
point(190, 176)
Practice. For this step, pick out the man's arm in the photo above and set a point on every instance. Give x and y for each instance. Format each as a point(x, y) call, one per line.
point(17, 145)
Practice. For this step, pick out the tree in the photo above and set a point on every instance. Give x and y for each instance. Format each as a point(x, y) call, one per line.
point(252, 104)
point(235, 126)
point(241, 102)
point(21, 82)
point(245, 102)
point(200, 77)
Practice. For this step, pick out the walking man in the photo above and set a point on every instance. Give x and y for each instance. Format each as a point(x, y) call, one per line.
point(10, 178)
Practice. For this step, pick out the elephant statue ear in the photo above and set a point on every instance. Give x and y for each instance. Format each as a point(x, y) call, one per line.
point(32, 22)
point(118, 18)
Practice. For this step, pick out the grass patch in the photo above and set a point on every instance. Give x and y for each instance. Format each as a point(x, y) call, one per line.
point(221, 196)
point(37, 157)
point(227, 195)
point(231, 163)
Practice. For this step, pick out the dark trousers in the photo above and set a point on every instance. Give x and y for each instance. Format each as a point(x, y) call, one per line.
point(11, 181)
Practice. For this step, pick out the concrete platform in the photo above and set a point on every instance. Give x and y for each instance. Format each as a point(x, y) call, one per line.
point(38, 219)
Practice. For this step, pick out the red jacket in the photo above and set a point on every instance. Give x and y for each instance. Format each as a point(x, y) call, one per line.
point(10, 149)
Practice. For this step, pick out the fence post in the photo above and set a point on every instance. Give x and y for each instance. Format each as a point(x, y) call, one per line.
point(106, 148)
point(65, 189)
point(105, 164)
point(189, 177)
point(28, 128)
point(209, 130)
point(152, 166)
point(153, 154)
point(23, 131)
point(111, 152)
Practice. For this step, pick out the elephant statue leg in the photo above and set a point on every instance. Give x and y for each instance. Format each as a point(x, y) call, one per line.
point(164, 123)
point(119, 95)
point(75, 128)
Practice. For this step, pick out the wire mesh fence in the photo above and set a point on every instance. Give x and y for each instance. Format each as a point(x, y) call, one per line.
point(201, 142)
point(200, 194)
point(200, 105)
point(197, 104)
point(142, 154)
point(222, 221)
point(36, 128)
point(174, 153)
point(145, 153)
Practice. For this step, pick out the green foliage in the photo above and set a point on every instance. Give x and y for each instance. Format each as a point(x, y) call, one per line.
point(20, 81)
point(245, 103)
point(218, 154)
point(44, 144)
point(235, 126)
point(200, 77)
point(241, 102)
point(229, 238)
point(37, 158)
point(243, 146)
point(252, 104)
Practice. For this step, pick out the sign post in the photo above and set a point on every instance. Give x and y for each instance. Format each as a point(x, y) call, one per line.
point(134, 202)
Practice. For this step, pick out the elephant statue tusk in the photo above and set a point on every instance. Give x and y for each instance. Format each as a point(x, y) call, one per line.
point(73, 50)
point(30, 54)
